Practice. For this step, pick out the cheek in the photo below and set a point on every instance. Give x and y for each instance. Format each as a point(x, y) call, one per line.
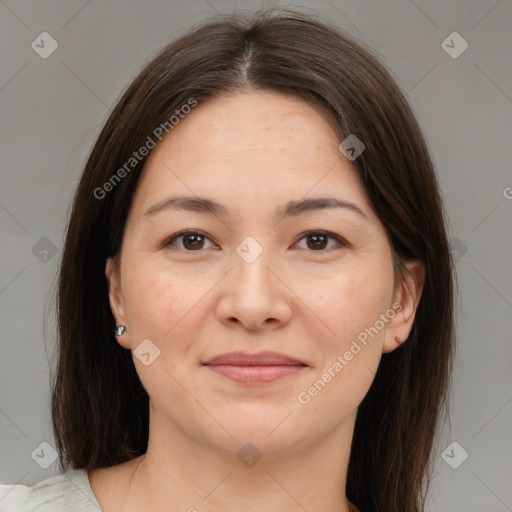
point(166, 308)
point(155, 301)
point(159, 307)
point(354, 300)
point(351, 306)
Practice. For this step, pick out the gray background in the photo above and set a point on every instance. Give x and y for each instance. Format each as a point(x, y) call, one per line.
point(52, 109)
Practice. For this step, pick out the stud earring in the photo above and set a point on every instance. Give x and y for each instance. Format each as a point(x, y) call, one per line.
point(120, 330)
point(398, 340)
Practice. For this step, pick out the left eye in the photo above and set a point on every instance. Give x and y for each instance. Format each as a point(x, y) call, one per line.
point(194, 240)
point(320, 239)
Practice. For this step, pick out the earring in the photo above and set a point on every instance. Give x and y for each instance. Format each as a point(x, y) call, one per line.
point(398, 340)
point(120, 330)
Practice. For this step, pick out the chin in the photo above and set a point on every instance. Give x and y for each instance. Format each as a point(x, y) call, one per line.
point(269, 434)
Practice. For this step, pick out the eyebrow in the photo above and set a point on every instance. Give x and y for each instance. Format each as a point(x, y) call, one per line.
point(291, 208)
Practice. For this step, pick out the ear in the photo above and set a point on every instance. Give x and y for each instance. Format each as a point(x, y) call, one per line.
point(115, 298)
point(406, 299)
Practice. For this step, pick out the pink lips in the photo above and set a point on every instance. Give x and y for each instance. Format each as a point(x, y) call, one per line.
point(262, 367)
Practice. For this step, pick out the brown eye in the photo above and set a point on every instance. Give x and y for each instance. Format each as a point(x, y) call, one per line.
point(318, 240)
point(194, 241)
point(191, 240)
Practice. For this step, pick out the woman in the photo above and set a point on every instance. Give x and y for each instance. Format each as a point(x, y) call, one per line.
point(255, 301)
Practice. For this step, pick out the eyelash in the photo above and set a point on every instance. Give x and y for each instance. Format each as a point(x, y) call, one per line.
point(174, 237)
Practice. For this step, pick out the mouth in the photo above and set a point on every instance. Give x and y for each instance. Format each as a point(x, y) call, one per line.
point(260, 368)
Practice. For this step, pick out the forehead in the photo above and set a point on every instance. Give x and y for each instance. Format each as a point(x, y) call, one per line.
point(248, 149)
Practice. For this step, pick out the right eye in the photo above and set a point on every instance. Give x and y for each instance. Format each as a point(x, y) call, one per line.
point(193, 240)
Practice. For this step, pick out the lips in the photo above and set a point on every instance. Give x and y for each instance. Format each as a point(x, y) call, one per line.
point(260, 368)
point(266, 358)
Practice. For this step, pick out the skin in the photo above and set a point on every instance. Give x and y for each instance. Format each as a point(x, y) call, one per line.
point(251, 152)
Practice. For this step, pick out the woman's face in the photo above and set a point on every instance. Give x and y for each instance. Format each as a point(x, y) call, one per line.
point(255, 279)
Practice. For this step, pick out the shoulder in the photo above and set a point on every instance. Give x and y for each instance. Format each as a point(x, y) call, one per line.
point(60, 493)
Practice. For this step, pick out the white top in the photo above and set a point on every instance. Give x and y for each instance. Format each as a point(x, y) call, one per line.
point(70, 491)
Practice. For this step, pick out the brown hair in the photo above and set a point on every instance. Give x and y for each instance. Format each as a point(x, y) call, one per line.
point(100, 410)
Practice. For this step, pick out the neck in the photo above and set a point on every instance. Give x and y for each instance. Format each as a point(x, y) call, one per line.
point(179, 473)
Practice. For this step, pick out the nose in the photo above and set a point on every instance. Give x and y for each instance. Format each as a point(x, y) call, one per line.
point(255, 295)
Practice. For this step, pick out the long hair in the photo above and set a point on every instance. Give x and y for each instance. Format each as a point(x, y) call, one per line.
point(100, 410)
